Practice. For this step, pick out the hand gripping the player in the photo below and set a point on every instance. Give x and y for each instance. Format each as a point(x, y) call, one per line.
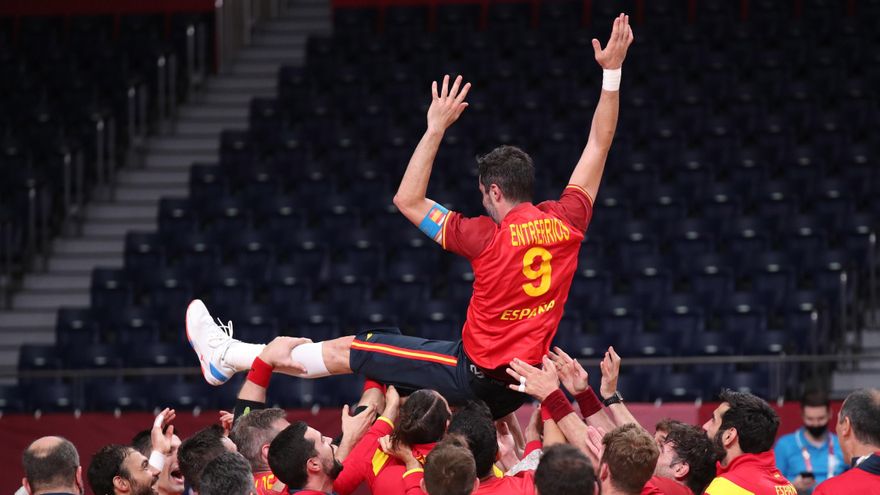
point(611, 57)
point(447, 104)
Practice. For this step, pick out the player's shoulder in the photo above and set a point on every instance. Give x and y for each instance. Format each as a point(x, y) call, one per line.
point(723, 485)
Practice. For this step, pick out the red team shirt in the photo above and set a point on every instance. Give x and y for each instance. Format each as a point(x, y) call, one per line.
point(523, 270)
point(265, 482)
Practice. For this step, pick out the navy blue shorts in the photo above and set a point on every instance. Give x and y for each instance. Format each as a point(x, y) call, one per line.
point(407, 362)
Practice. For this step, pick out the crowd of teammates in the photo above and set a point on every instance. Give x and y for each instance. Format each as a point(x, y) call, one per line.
point(419, 444)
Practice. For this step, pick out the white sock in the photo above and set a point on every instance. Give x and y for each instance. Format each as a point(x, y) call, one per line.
point(240, 355)
point(311, 356)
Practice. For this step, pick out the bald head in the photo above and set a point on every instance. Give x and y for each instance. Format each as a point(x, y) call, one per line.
point(51, 464)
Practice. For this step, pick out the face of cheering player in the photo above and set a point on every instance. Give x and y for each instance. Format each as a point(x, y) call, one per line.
point(326, 453)
point(170, 479)
point(142, 478)
point(669, 465)
point(713, 426)
point(816, 420)
point(491, 198)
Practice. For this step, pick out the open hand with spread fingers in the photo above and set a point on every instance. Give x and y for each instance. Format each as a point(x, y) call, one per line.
point(611, 57)
point(539, 383)
point(447, 103)
point(573, 376)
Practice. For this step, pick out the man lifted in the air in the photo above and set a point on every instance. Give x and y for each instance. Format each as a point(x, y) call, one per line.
point(523, 256)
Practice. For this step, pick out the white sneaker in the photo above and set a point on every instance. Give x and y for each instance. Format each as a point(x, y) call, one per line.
point(210, 341)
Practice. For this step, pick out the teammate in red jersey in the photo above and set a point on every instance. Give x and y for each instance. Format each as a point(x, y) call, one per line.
point(523, 256)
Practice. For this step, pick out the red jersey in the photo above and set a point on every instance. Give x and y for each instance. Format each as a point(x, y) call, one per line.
point(863, 479)
point(523, 270)
point(265, 484)
point(659, 485)
point(521, 484)
point(754, 474)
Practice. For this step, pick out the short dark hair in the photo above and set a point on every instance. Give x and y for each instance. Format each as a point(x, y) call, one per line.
point(450, 468)
point(228, 474)
point(631, 455)
point(474, 422)
point(564, 470)
point(423, 419)
point(815, 398)
point(755, 421)
point(289, 453)
point(693, 447)
point(511, 169)
point(51, 467)
point(142, 442)
point(666, 424)
point(107, 464)
point(254, 430)
point(862, 407)
point(197, 451)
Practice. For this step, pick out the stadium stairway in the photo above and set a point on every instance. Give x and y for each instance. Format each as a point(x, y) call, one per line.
point(866, 374)
point(193, 137)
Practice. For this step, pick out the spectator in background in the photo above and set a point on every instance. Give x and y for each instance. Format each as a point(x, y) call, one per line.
point(197, 451)
point(119, 469)
point(744, 427)
point(51, 465)
point(171, 480)
point(252, 434)
point(228, 474)
point(811, 454)
point(564, 470)
point(858, 428)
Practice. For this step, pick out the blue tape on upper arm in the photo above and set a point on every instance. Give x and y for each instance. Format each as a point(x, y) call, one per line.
point(432, 224)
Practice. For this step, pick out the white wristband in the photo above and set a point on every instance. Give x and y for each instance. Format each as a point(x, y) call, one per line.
point(157, 460)
point(611, 79)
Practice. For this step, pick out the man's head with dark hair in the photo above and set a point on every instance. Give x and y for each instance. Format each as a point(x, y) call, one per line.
point(228, 474)
point(450, 468)
point(662, 429)
point(254, 432)
point(423, 418)
point(742, 424)
point(564, 470)
point(303, 458)
point(473, 421)
point(687, 456)
point(816, 413)
point(51, 464)
point(858, 424)
point(507, 174)
point(629, 459)
point(170, 479)
point(121, 469)
point(198, 450)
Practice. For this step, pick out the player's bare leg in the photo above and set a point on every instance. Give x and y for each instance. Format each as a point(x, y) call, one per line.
point(222, 356)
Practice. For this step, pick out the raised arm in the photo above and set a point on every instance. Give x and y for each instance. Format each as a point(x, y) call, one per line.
point(618, 411)
point(446, 107)
point(588, 171)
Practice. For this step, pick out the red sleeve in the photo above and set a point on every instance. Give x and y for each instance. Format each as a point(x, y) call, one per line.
point(467, 237)
point(412, 482)
point(532, 446)
point(356, 466)
point(575, 206)
point(651, 489)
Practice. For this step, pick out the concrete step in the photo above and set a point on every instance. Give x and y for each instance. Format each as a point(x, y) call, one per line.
point(26, 319)
point(211, 112)
point(238, 98)
point(157, 178)
point(9, 356)
point(50, 281)
point(243, 83)
point(200, 127)
point(176, 160)
point(272, 55)
point(16, 337)
point(178, 144)
point(116, 227)
point(871, 339)
point(87, 246)
point(261, 69)
point(280, 39)
point(82, 264)
point(307, 20)
point(50, 299)
point(133, 193)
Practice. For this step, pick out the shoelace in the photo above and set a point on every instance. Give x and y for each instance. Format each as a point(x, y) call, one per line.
point(225, 328)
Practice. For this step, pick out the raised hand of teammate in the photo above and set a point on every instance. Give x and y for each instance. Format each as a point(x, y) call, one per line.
point(227, 420)
point(610, 366)
point(447, 103)
point(539, 383)
point(162, 431)
point(277, 354)
point(594, 447)
point(535, 428)
point(392, 403)
point(573, 376)
point(611, 57)
point(355, 427)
